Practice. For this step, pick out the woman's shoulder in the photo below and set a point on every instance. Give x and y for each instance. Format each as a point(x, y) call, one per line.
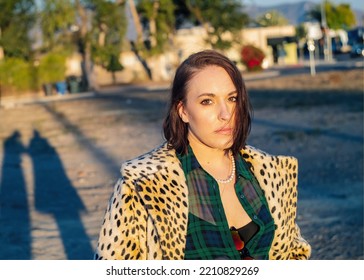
point(257, 157)
point(253, 152)
point(158, 159)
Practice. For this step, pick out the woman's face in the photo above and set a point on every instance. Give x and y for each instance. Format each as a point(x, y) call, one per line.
point(209, 108)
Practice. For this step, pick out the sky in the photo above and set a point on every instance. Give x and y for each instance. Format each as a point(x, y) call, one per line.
point(355, 4)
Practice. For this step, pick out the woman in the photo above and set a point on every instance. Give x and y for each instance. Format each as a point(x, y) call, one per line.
point(204, 194)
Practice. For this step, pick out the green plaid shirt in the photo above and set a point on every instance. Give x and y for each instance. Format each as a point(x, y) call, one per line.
point(208, 233)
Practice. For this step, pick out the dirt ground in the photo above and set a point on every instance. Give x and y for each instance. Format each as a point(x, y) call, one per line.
point(59, 160)
point(350, 80)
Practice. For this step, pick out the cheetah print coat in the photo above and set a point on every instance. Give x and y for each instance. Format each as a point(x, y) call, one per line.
point(146, 217)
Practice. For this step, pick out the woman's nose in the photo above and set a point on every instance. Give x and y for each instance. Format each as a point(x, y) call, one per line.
point(224, 111)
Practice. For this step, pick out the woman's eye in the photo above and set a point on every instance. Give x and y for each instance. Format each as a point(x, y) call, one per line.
point(233, 98)
point(206, 102)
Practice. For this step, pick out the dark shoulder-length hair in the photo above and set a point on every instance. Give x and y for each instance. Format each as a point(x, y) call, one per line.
point(175, 130)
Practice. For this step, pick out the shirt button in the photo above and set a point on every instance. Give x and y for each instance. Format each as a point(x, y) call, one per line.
point(241, 196)
point(255, 217)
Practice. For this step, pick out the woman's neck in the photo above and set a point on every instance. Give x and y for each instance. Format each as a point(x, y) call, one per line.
point(206, 154)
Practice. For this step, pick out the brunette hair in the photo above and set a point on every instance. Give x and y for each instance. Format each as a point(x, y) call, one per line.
point(175, 130)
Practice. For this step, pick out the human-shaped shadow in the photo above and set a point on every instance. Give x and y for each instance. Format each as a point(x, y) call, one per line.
point(15, 240)
point(55, 195)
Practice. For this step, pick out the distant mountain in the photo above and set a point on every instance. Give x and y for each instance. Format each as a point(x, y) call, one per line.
point(295, 13)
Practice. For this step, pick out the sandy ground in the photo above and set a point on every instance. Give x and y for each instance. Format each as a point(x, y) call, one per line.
point(59, 161)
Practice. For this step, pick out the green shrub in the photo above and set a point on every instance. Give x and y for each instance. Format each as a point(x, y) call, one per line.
point(52, 68)
point(17, 75)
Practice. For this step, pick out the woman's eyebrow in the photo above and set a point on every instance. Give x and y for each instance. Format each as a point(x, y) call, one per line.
point(212, 94)
point(233, 92)
point(206, 94)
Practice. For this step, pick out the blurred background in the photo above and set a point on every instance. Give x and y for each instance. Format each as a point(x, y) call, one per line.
point(70, 46)
point(84, 86)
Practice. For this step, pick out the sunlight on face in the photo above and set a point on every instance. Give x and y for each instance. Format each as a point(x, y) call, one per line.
point(209, 108)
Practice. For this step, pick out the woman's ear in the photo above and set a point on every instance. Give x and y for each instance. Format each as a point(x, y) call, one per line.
point(182, 112)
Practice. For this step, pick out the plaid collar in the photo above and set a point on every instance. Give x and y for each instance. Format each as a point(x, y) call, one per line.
point(190, 163)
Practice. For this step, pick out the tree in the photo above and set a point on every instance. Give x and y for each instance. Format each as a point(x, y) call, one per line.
point(158, 20)
point(343, 17)
point(337, 17)
point(272, 18)
point(16, 19)
point(107, 33)
point(56, 19)
point(94, 28)
point(219, 17)
point(183, 14)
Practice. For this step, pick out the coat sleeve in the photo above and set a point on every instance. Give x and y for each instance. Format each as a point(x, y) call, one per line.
point(120, 231)
point(288, 235)
point(300, 249)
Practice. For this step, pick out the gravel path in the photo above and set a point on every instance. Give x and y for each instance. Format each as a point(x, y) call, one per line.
point(59, 161)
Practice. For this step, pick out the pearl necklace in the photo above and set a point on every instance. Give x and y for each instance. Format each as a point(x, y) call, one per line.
point(231, 177)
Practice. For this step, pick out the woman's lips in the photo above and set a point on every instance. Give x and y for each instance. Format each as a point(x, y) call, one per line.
point(224, 130)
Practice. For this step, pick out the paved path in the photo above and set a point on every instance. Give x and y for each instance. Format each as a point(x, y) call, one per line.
point(60, 159)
